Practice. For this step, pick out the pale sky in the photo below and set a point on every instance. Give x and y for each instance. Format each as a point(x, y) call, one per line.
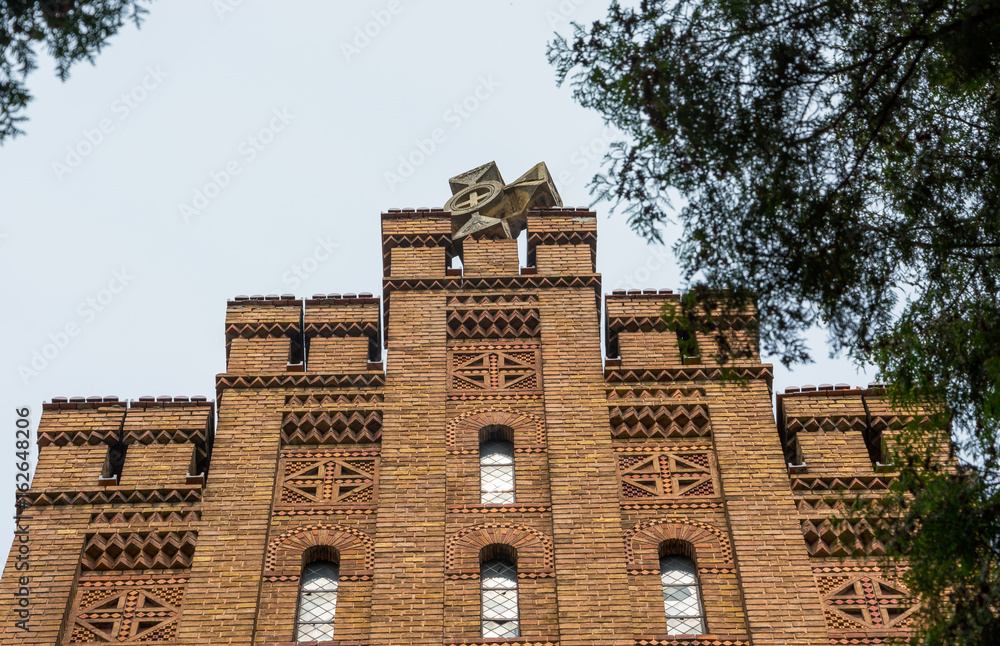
point(248, 147)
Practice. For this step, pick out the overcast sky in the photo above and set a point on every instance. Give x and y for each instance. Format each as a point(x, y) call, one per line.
point(227, 148)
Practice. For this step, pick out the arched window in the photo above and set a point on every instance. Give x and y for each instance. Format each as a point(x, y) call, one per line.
point(317, 601)
point(498, 581)
point(496, 466)
point(681, 596)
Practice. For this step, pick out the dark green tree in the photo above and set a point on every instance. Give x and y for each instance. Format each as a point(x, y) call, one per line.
point(838, 164)
point(71, 30)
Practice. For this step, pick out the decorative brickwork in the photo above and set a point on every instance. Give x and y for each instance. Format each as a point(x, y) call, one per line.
point(328, 477)
point(126, 610)
point(355, 549)
point(666, 475)
point(492, 324)
point(319, 454)
point(666, 420)
point(534, 549)
point(866, 603)
point(331, 427)
point(138, 551)
point(826, 537)
point(642, 542)
point(493, 367)
point(464, 430)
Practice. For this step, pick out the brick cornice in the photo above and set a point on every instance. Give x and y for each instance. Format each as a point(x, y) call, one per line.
point(692, 373)
point(108, 495)
point(487, 283)
point(298, 380)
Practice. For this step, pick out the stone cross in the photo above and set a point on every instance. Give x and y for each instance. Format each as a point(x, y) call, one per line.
point(481, 203)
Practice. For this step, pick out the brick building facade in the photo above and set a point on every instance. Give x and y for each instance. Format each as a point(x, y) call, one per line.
point(497, 435)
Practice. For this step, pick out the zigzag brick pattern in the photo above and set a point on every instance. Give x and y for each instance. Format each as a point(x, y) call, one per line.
point(316, 450)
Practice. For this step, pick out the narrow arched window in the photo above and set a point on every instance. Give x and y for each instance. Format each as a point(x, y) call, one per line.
point(496, 467)
point(681, 596)
point(498, 580)
point(317, 601)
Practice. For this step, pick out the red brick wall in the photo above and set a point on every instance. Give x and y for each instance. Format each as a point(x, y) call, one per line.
point(381, 470)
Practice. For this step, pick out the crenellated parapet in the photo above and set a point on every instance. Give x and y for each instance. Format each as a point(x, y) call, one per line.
point(562, 241)
point(103, 445)
point(639, 332)
point(325, 334)
point(834, 439)
point(263, 334)
point(342, 333)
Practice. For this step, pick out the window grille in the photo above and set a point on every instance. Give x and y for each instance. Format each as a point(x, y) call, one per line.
point(317, 601)
point(681, 596)
point(498, 579)
point(496, 472)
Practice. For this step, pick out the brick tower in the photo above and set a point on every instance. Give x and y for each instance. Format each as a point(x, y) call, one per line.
point(500, 478)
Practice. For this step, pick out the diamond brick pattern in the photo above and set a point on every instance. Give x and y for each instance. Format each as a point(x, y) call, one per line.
point(665, 475)
point(656, 421)
point(865, 602)
point(121, 613)
point(329, 480)
point(495, 368)
point(138, 551)
point(492, 324)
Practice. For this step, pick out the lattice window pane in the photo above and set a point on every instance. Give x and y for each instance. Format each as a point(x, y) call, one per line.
point(677, 570)
point(496, 472)
point(681, 601)
point(321, 575)
point(314, 632)
point(496, 452)
point(694, 626)
point(501, 629)
point(681, 596)
point(317, 606)
point(499, 575)
point(317, 601)
point(500, 604)
point(500, 616)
